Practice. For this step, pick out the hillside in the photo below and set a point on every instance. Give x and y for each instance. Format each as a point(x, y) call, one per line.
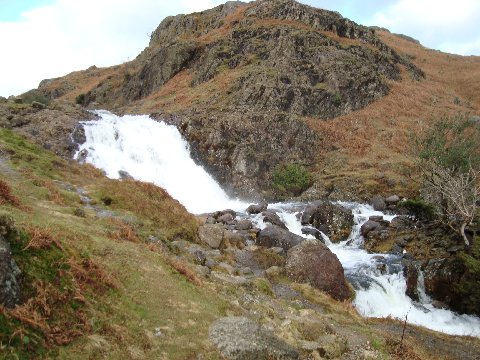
point(109, 269)
point(256, 86)
point(103, 269)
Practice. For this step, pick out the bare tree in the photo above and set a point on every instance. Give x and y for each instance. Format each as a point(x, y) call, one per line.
point(448, 156)
point(455, 193)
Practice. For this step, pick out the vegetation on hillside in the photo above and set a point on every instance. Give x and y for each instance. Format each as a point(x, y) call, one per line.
point(449, 162)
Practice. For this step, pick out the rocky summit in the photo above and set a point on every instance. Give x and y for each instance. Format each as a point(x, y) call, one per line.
point(308, 120)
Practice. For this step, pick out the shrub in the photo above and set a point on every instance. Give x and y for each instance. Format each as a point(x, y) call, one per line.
point(80, 99)
point(291, 179)
point(419, 208)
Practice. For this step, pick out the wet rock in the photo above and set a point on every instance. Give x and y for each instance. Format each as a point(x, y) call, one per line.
point(314, 232)
point(377, 218)
point(307, 215)
point(275, 236)
point(369, 226)
point(82, 156)
point(244, 225)
point(238, 338)
point(273, 218)
point(226, 218)
point(333, 220)
point(378, 203)
point(257, 208)
point(411, 272)
point(314, 263)
point(211, 234)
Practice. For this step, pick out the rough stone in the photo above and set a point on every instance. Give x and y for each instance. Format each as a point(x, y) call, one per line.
point(273, 218)
point(334, 220)
point(211, 234)
point(9, 271)
point(238, 338)
point(314, 263)
point(392, 200)
point(275, 236)
point(369, 226)
point(257, 208)
point(378, 203)
point(244, 225)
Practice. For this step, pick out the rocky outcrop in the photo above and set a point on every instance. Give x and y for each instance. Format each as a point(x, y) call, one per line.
point(250, 75)
point(314, 263)
point(238, 338)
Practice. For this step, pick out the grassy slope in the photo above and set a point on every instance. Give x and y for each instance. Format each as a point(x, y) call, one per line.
point(136, 305)
point(149, 294)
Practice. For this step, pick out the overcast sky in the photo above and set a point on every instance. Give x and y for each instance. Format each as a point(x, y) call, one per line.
point(49, 38)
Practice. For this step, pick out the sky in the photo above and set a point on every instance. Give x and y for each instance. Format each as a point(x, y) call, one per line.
point(42, 39)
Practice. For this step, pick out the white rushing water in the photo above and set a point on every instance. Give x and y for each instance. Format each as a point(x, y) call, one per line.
point(155, 152)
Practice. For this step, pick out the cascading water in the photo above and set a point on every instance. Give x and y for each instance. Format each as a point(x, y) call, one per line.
point(155, 152)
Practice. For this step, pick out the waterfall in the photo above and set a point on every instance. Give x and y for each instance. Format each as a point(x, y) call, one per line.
point(156, 152)
point(153, 152)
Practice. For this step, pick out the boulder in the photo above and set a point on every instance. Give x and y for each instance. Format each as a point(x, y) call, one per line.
point(275, 236)
point(378, 203)
point(238, 338)
point(273, 218)
point(3, 99)
point(315, 264)
point(226, 218)
point(244, 225)
point(314, 232)
point(307, 214)
point(392, 200)
point(257, 208)
point(369, 226)
point(335, 221)
point(211, 234)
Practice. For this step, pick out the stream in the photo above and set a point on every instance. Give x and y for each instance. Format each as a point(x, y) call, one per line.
point(155, 152)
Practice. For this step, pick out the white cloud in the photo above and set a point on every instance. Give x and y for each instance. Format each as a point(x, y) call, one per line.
point(446, 25)
point(69, 35)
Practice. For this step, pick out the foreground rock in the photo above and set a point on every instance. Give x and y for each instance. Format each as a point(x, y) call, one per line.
point(275, 236)
point(314, 263)
point(238, 338)
point(9, 271)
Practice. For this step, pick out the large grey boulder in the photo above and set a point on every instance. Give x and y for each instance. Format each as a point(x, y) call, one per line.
point(314, 263)
point(211, 235)
point(275, 236)
point(257, 208)
point(238, 338)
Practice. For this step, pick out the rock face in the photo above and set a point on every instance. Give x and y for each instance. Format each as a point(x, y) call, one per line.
point(275, 236)
point(249, 74)
point(335, 221)
point(238, 338)
point(316, 264)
